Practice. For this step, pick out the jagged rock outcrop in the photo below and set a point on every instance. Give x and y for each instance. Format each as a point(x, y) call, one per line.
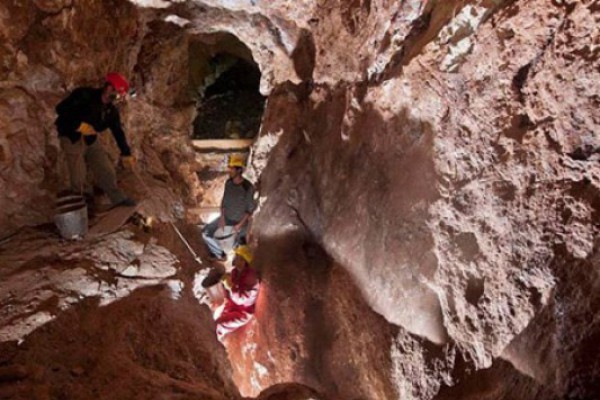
point(452, 186)
point(429, 175)
point(52, 47)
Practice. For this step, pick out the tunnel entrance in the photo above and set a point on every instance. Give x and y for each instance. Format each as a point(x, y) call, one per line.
point(232, 107)
point(227, 81)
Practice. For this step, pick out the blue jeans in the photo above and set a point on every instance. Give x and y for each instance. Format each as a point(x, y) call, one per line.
point(208, 234)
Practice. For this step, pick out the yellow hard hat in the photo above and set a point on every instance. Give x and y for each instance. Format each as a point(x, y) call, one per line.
point(244, 252)
point(236, 161)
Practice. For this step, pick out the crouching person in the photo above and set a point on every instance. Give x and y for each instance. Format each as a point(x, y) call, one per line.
point(242, 286)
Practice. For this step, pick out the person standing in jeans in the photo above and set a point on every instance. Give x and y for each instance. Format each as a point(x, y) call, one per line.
point(236, 209)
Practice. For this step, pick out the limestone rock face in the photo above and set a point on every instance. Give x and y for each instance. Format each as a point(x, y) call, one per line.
point(429, 177)
point(46, 48)
point(453, 187)
point(113, 318)
point(53, 47)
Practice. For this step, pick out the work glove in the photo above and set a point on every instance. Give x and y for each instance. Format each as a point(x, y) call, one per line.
point(128, 162)
point(227, 282)
point(86, 129)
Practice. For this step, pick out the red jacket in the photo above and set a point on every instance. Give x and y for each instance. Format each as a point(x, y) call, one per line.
point(244, 289)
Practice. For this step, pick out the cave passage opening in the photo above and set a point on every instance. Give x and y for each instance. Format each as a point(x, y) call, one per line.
point(226, 83)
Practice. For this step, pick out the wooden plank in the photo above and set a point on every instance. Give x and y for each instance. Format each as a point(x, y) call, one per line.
point(111, 221)
point(204, 210)
point(222, 144)
point(202, 214)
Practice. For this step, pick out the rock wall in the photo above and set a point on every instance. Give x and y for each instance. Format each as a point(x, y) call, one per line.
point(46, 49)
point(457, 185)
point(51, 47)
point(441, 156)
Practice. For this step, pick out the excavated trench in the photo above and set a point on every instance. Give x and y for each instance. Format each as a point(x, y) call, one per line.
point(429, 196)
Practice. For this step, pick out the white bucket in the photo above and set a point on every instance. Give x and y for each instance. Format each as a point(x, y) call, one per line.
point(214, 288)
point(226, 238)
point(71, 217)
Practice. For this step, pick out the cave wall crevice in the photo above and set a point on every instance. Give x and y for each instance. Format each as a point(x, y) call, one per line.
point(496, 177)
point(443, 156)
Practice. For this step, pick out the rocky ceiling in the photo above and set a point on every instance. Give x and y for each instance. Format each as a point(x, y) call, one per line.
point(429, 175)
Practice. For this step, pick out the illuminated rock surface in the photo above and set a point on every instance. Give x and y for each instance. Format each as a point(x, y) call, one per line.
point(429, 211)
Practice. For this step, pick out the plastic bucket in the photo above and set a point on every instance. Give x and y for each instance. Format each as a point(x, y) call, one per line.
point(71, 217)
point(214, 287)
point(226, 238)
point(68, 200)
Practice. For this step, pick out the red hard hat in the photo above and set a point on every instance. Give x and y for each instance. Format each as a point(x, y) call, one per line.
point(118, 81)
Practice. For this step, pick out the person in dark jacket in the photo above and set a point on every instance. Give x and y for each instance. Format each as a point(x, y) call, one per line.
point(81, 117)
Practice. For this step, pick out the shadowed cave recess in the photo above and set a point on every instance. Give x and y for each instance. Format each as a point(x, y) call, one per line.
point(428, 199)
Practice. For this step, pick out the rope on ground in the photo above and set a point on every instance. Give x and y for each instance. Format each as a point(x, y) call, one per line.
point(198, 259)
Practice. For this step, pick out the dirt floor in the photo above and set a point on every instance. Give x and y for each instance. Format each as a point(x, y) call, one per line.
point(155, 341)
